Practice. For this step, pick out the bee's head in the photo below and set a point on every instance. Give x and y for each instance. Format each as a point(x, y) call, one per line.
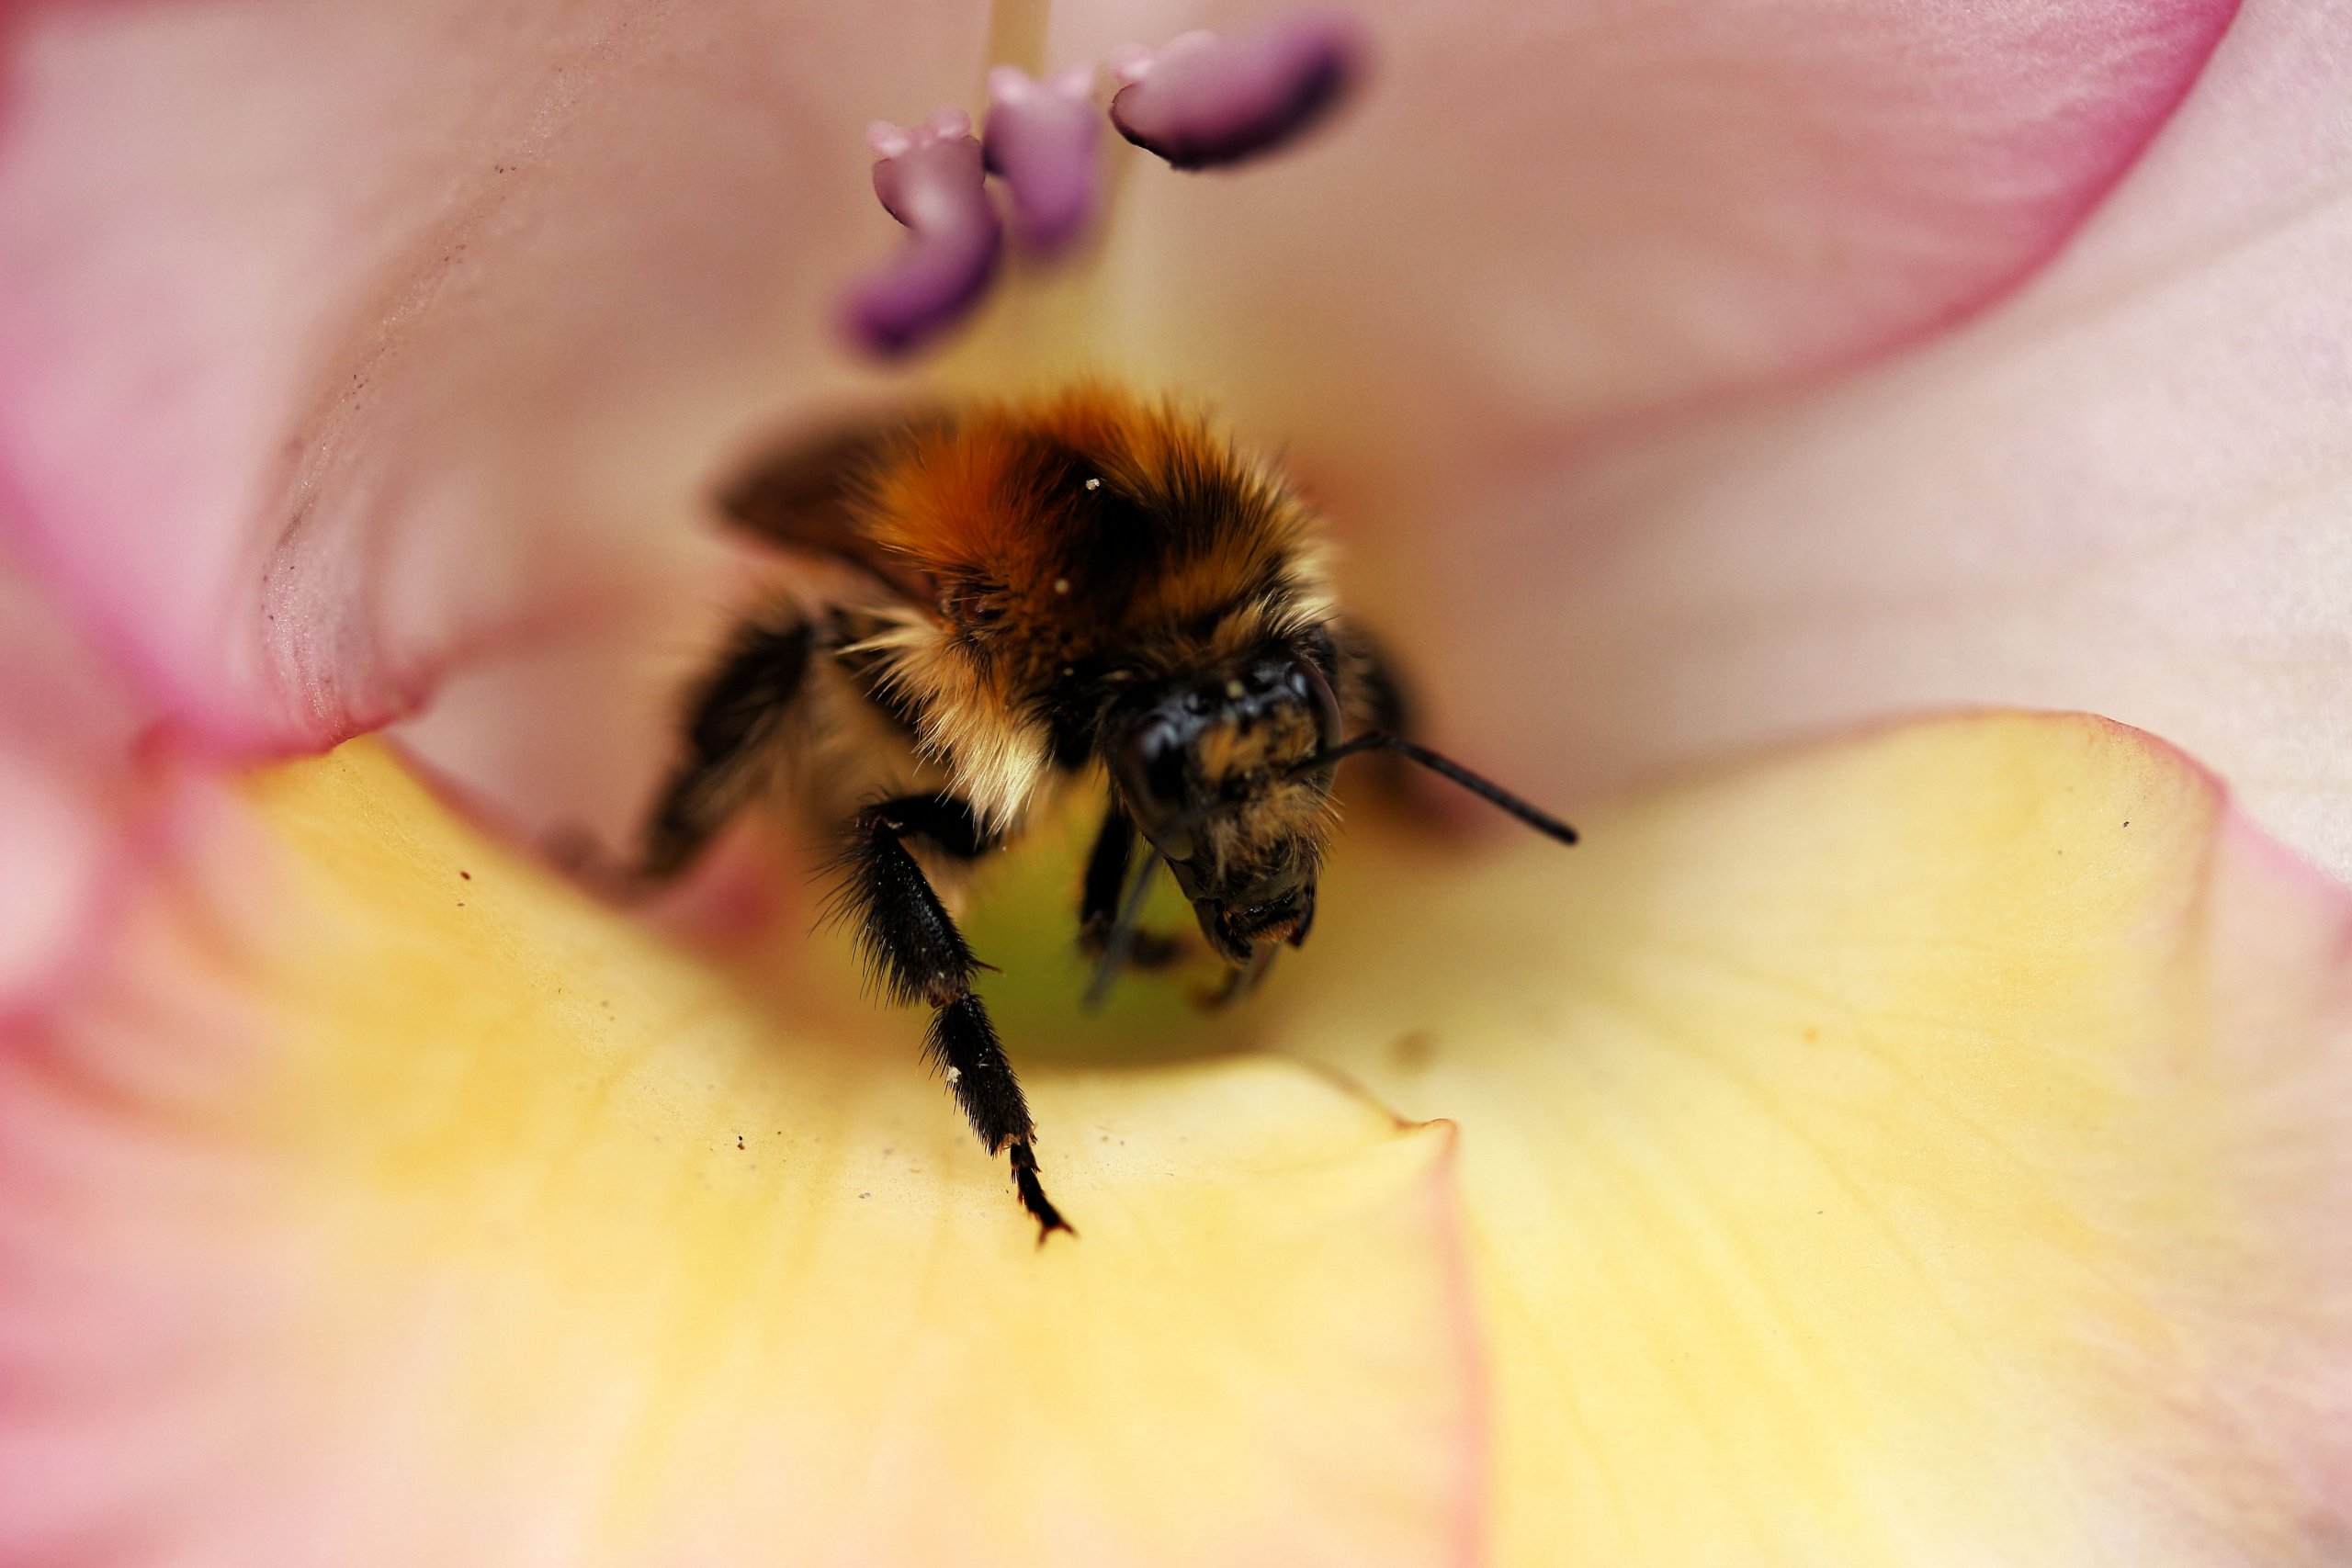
point(1209, 765)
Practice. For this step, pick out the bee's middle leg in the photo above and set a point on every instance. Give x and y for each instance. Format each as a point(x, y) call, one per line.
point(909, 940)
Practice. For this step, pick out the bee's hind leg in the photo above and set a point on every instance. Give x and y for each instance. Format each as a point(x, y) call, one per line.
point(917, 954)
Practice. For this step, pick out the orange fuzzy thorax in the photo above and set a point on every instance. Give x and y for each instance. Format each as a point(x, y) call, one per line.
point(1089, 526)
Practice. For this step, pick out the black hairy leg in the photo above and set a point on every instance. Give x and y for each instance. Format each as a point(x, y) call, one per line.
point(732, 718)
point(1098, 894)
point(915, 955)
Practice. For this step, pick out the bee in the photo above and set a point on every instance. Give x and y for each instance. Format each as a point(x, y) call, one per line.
point(1021, 595)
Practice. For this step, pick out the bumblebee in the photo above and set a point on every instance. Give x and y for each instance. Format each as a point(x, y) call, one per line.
point(1021, 595)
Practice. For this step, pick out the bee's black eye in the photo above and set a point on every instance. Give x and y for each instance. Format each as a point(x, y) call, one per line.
point(1157, 764)
point(1153, 763)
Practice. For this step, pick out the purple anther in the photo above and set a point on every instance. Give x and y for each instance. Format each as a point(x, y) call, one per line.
point(930, 179)
point(1203, 100)
point(1041, 140)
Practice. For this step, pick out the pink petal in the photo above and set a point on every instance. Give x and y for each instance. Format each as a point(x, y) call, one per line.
point(1545, 219)
point(341, 343)
point(73, 795)
point(2127, 491)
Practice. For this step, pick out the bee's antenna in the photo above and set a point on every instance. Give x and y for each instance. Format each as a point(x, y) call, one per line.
point(1122, 938)
point(1486, 790)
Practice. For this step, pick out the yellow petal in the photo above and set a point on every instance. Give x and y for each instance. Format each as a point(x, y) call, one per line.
point(1931, 1150)
point(391, 1204)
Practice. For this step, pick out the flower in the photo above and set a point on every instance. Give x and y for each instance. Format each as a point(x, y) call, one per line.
point(1923, 1146)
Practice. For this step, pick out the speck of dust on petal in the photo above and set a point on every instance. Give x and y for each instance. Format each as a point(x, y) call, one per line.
point(1414, 1050)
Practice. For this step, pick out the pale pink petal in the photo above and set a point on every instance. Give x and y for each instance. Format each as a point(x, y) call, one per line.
point(2130, 489)
point(341, 342)
point(1545, 219)
point(55, 851)
point(73, 795)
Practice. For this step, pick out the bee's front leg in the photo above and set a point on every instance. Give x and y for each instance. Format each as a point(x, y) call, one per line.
point(1099, 895)
point(917, 954)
